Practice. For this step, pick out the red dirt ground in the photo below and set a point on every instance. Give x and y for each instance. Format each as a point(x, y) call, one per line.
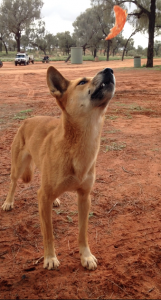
point(124, 223)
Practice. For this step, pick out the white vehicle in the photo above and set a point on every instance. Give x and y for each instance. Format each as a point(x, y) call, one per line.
point(23, 59)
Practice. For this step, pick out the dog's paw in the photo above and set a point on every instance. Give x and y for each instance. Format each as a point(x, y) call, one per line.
point(89, 262)
point(7, 206)
point(56, 202)
point(51, 263)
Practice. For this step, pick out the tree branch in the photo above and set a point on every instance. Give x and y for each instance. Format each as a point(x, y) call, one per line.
point(137, 4)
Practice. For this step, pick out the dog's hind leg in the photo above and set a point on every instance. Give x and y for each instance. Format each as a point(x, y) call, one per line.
point(45, 211)
point(21, 166)
point(88, 260)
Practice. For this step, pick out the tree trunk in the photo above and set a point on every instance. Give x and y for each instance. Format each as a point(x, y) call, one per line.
point(5, 47)
point(84, 48)
point(123, 53)
point(0, 45)
point(151, 30)
point(17, 38)
point(95, 52)
point(108, 50)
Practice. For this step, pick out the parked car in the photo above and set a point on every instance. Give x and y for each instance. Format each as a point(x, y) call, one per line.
point(23, 59)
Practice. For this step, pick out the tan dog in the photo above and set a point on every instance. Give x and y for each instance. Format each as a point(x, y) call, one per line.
point(65, 152)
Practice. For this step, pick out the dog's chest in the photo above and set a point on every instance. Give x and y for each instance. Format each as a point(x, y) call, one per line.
point(83, 162)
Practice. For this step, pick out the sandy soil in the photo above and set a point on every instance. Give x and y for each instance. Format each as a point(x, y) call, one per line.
point(124, 223)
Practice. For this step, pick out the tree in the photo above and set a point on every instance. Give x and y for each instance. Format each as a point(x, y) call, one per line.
point(17, 15)
point(65, 41)
point(84, 29)
point(157, 47)
point(116, 44)
point(105, 19)
point(125, 50)
point(52, 41)
point(4, 34)
point(92, 26)
point(36, 34)
point(147, 14)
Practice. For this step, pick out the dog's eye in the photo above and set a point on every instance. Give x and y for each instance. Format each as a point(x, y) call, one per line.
point(82, 82)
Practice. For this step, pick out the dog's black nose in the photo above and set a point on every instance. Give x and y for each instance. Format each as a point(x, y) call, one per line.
point(108, 75)
point(107, 70)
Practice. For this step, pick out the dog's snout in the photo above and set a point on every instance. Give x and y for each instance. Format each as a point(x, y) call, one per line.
point(108, 76)
point(108, 71)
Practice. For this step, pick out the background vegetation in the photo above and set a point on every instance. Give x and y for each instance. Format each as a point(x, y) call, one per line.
point(22, 29)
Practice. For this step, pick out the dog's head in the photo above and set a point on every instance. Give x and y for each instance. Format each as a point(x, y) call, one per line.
point(79, 97)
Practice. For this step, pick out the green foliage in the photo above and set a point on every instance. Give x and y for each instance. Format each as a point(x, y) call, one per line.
point(113, 146)
point(17, 15)
point(92, 26)
point(157, 47)
point(65, 41)
point(22, 115)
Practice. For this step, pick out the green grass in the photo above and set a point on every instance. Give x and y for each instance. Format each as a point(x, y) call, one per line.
point(134, 107)
point(157, 67)
point(115, 146)
point(113, 131)
point(22, 115)
point(111, 117)
point(38, 55)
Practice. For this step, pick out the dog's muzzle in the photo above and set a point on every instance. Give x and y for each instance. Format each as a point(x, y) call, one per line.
point(108, 76)
point(104, 83)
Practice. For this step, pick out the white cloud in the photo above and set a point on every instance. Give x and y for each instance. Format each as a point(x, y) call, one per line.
point(139, 39)
point(66, 9)
point(59, 15)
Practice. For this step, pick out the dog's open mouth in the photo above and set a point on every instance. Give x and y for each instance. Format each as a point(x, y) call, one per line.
point(105, 86)
point(104, 91)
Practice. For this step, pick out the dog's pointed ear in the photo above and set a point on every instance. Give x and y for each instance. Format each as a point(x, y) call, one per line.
point(56, 82)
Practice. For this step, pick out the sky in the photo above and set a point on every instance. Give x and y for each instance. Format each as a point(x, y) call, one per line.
point(60, 14)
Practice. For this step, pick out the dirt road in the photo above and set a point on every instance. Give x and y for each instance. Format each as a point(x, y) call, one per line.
point(124, 222)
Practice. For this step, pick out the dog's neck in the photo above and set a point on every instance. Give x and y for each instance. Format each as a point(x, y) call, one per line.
point(76, 130)
point(85, 140)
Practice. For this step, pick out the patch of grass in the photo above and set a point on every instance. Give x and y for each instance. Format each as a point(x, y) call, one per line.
point(115, 146)
point(112, 117)
point(136, 107)
point(73, 213)
point(70, 220)
point(156, 149)
point(128, 115)
point(58, 211)
point(91, 214)
point(140, 109)
point(157, 67)
point(113, 131)
point(22, 115)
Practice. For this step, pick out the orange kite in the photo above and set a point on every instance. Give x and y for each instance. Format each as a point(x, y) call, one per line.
point(120, 19)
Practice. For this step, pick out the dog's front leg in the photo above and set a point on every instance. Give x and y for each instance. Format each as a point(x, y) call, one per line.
point(45, 211)
point(88, 260)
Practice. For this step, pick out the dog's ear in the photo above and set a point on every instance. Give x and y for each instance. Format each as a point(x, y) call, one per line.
point(56, 82)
